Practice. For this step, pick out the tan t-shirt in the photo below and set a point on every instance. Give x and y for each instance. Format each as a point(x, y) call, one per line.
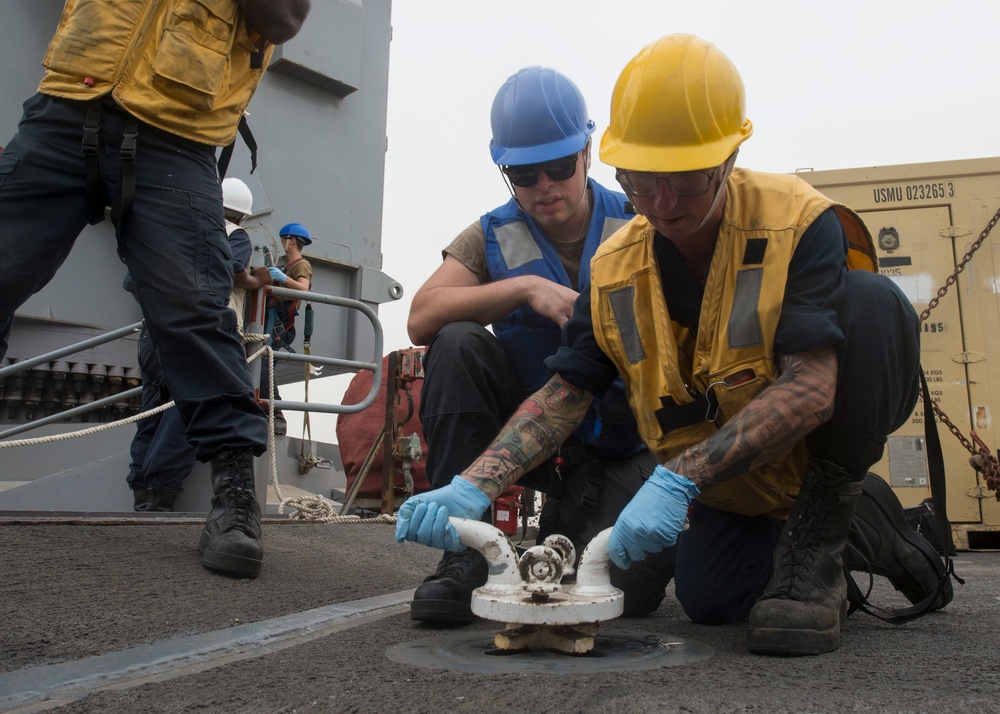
point(300, 270)
point(469, 249)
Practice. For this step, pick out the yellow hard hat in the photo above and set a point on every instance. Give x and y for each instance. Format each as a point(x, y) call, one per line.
point(679, 105)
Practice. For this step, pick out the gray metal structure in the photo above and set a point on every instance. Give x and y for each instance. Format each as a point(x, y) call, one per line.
point(319, 119)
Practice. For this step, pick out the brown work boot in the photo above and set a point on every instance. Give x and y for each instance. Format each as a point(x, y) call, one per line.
point(231, 540)
point(805, 603)
point(880, 542)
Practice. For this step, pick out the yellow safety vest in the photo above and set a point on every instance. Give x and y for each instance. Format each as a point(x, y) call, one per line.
point(183, 66)
point(732, 359)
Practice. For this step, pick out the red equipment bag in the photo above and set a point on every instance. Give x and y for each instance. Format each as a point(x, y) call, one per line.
point(356, 433)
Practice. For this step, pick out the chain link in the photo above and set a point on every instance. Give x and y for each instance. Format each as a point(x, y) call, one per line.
point(953, 278)
point(983, 459)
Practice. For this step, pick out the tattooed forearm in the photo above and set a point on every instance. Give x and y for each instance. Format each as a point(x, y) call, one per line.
point(800, 400)
point(533, 434)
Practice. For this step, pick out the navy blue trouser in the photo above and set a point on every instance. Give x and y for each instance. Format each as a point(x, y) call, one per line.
point(174, 245)
point(161, 455)
point(878, 378)
point(724, 560)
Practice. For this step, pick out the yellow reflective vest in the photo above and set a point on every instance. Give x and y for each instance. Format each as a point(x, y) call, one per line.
point(669, 372)
point(183, 66)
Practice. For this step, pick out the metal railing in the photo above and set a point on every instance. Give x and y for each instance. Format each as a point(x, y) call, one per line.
point(375, 366)
point(25, 365)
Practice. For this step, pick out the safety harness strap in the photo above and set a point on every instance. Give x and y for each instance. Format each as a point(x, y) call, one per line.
point(568, 459)
point(226, 155)
point(121, 209)
point(95, 192)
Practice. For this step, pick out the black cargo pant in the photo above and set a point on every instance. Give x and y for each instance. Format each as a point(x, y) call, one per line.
point(174, 245)
point(724, 560)
point(161, 456)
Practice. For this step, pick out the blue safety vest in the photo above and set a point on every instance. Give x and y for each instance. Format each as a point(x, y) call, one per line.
point(515, 246)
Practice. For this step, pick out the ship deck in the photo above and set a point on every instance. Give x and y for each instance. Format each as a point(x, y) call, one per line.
point(104, 614)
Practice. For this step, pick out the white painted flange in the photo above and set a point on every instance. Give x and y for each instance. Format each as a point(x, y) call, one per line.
point(562, 608)
point(590, 599)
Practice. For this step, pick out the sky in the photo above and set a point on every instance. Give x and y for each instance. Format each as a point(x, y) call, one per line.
point(829, 85)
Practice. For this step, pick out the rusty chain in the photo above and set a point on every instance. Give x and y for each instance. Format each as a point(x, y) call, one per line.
point(983, 460)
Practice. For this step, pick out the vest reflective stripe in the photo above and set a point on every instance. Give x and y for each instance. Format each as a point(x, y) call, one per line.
point(744, 325)
point(182, 66)
point(622, 302)
point(516, 245)
point(612, 225)
point(732, 357)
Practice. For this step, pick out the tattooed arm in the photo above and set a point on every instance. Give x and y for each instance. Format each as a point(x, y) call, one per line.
point(534, 433)
point(794, 405)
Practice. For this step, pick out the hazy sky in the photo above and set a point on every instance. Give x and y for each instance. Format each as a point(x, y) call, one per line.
point(829, 85)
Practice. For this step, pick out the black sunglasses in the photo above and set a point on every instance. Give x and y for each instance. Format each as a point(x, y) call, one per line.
point(557, 170)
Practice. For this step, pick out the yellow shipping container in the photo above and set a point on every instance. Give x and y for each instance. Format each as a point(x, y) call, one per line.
point(925, 218)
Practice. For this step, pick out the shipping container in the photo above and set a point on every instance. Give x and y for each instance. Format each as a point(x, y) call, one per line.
point(925, 218)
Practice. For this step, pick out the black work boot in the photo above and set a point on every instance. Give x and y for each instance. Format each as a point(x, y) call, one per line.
point(230, 542)
point(162, 499)
point(805, 603)
point(140, 498)
point(644, 584)
point(445, 598)
point(881, 542)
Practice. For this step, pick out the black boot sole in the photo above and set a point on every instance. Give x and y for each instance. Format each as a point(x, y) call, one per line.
point(441, 612)
point(227, 563)
point(795, 642)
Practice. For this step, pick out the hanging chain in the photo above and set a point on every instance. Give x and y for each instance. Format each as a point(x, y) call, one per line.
point(953, 278)
point(982, 459)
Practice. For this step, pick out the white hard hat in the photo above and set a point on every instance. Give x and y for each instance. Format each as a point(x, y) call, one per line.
point(236, 196)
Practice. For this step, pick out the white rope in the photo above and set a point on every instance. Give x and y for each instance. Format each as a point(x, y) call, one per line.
point(249, 337)
point(84, 432)
point(314, 507)
point(321, 510)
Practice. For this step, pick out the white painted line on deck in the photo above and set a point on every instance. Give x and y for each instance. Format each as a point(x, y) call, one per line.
point(37, 688)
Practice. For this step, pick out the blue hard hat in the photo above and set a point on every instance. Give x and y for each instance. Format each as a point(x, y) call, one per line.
point(538, 115)
point(296, 230)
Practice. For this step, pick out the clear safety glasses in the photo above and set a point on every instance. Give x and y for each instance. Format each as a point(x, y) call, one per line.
point(684, 183)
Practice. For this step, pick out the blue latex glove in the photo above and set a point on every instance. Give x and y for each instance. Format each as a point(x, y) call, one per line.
point(424, 518)
point(653, 519)
point(276, 275)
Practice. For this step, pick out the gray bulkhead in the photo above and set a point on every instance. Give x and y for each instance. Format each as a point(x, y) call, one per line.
point(319, 120)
